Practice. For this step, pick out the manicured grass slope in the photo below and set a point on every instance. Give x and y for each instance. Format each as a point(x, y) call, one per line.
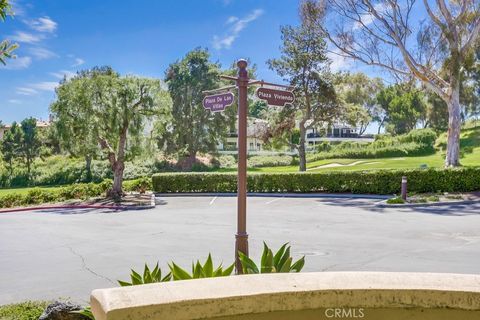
point(470, 146)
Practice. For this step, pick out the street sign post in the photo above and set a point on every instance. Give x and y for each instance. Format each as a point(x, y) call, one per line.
point(218, 102)
point(275, 97)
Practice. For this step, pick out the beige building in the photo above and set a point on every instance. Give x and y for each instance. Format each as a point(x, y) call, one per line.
point(40, 124)
point(255, 130)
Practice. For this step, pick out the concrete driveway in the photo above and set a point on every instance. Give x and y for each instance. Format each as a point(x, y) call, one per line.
point(66, 254)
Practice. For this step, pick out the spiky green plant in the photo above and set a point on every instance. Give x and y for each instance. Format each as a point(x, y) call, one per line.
point(200, 271)
point(148, 277)
point(87, 312)
point(281, 261)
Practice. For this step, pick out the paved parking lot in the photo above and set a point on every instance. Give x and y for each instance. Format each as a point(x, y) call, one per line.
point(66, 254)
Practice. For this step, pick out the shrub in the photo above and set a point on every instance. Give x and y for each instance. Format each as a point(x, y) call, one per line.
point(269, 161)
point(199, 270)
point(39, 195)
point(423, 136)
point(153, 276)
point(29, 310)
point(224, 161)
point(280, 262)
point(373, 182)
point(138, 185)
point(417, 142)
point(396, 200)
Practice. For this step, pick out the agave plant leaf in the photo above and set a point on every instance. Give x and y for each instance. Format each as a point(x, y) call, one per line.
point(147, 276)
point(268, 266)
point(167, 278)
point(87, 312)
point(228, 271)
point(247, 264)
point(218, 272)
point(178, 273)
point(298, 266)
point(208, 267)
point(136, 278)
point(263, 260)
point(286, 266)
point(156, 274)
point(197, 271)
point(283, 259)
point(279, 254)
point(123, 283)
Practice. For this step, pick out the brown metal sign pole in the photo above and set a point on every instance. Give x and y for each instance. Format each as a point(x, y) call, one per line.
point(241, 238)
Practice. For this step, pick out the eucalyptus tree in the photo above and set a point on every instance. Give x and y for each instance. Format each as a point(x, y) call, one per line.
point(305, 65)
point(6, 48)
point(382, 33)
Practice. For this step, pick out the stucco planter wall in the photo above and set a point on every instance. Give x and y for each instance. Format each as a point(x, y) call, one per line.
point(326, 295)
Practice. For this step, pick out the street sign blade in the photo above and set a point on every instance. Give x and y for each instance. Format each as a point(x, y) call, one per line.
point(218, 102)
point(275, 97)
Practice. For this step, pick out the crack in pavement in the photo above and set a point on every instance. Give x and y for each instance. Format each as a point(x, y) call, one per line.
point(84, 265)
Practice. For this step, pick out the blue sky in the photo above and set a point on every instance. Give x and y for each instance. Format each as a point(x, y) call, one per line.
point(139, 37)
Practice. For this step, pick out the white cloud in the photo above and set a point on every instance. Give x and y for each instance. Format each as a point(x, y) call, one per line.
point(43, 24)
point(236, 26)
point(17, 8)
point(26, 37)
point(339, 63)
point(34, 88)
point(17, 63)
point(14, 101)
point(78, 62)
point(44, 86)
point(42, 53)
point(368, 18)
point(63, 73)
point(25, 91)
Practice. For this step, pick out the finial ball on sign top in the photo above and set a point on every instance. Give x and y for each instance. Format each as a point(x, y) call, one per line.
point(275, 97)
point(218, 102)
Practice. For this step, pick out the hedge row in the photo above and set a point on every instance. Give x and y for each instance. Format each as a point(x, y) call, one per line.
point(43, 195)
point(372, 182)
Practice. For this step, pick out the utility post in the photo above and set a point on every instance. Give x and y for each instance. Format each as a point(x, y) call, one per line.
point(241, 238)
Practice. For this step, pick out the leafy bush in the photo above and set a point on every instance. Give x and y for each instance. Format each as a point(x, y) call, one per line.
point(139, 185)
point(39, 195)
point(396, 200)
point(153, 276)
point(224, 161)
point(400, 150)
point(418, 142)
point(29, 310)
point(281, 262)
point(423, 136)
point(269, 161)
point(373, 182)
point(200, 271)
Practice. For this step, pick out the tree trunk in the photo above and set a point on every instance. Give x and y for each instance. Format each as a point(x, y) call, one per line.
point(454, 128)
point(88, 167)
point(118, 166)
point(302, 158)
point(117, 191)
